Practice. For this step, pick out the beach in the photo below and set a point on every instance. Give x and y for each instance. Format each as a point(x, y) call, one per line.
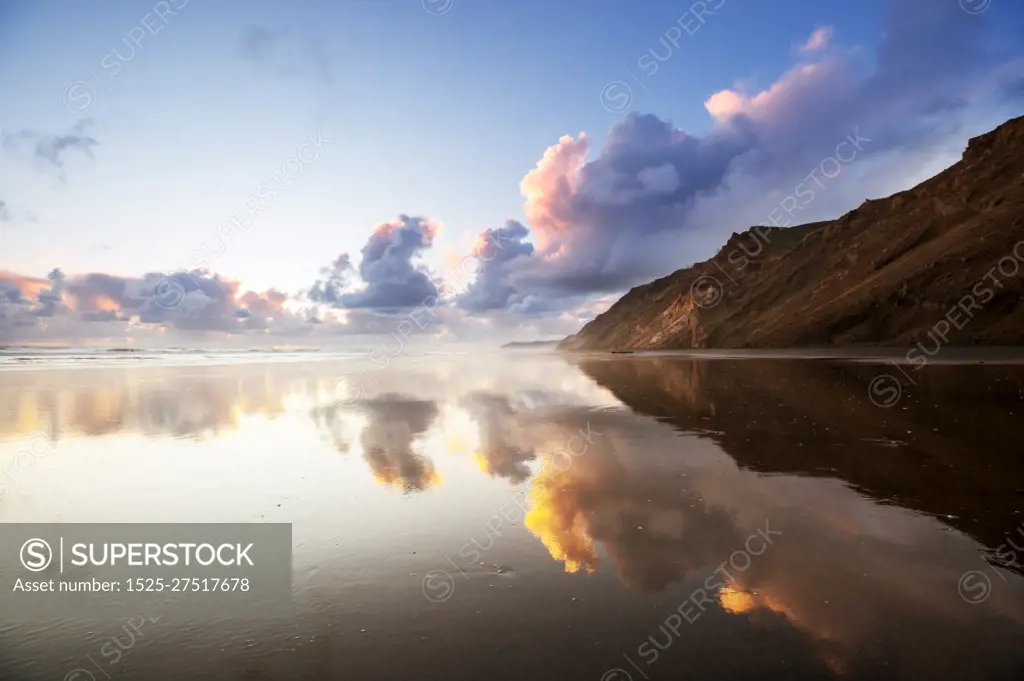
point(537, 513)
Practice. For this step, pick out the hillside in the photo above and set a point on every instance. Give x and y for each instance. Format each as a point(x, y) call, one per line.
point(882, 274)
point(529, 345)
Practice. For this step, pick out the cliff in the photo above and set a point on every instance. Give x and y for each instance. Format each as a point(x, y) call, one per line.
point(883, 274)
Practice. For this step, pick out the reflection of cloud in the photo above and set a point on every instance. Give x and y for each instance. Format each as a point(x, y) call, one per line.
point(560, 523)
point(756, 410)
point(871, 587)
point(151, 402)
point(502, 450)
point(97, 412)
point(863, 599)
point(653, 531)
point(387, 440)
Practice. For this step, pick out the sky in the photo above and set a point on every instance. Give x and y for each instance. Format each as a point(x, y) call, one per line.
point(188, 171)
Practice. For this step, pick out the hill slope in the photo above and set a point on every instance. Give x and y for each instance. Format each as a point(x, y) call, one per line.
point(885, 273)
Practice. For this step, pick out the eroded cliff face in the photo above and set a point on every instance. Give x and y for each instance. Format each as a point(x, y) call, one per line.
point(886, 273)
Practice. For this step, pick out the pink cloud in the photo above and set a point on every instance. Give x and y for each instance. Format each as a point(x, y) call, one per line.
point(818, 40)
point(549, 189)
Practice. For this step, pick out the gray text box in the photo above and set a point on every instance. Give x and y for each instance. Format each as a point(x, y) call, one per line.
point(100, 570)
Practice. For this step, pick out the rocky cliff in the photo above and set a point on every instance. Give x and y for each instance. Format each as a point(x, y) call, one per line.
point(937, 259)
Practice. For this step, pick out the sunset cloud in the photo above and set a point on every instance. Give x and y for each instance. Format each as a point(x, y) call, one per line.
point(104, 305)
point(598, 217)
point(603, 222)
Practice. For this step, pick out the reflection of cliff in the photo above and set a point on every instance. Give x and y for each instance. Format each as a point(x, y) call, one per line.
point(870, 587)
point(948, 447)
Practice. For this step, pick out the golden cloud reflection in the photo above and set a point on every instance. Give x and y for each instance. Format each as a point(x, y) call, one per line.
point(556, 518)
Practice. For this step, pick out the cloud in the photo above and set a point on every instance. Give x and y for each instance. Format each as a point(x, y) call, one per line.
point(50, 300)
point(53, 149)
point(17, 306)
point(656, 198)
point(598, 219)
point(5, 213)
point(818, 40)
point(161, 308)
point(491, 289)
point(596, 222)
point(197, 301)
point(257, 43)
point(392, 280)
point(286, 53)
point(335, 279)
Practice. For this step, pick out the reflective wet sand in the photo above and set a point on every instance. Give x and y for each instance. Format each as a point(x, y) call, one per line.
point(527, 515)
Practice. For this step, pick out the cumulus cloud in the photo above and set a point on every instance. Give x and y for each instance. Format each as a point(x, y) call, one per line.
point(18, 302)
point(50, 300)
point(334, 280)
point(592, 219)
point(393, 281)
point(491, 289)
point(656, 198)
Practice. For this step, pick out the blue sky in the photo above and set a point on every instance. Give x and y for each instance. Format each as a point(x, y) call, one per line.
point(436, 109)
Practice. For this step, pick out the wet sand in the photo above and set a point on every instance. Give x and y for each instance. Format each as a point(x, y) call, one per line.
point(534, 515)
